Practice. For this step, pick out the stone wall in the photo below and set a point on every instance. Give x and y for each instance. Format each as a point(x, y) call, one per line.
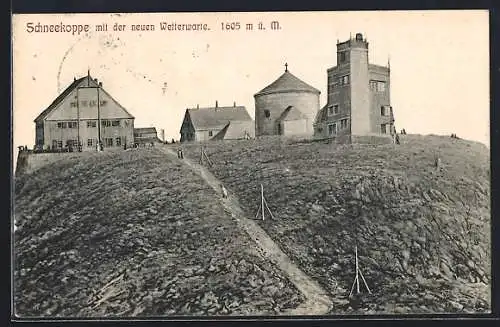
point(276, 103)
point(28, 161)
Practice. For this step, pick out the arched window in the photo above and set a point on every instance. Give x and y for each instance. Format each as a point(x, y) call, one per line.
point(267, 113)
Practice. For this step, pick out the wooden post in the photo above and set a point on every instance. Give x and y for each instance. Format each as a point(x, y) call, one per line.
point(262, 200)
point(78, 118)
point(99, 141)
point(357, 270)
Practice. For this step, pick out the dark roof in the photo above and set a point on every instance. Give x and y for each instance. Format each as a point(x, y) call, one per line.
point(222, 133)
point(322, 114)
point(291, 113)
point(140, 130)
point(76, 83)
point(287, 83)
point(217, 117)
point(234, 130)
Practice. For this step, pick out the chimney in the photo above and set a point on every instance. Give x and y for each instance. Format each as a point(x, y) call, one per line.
point(216, 104)
point(74, 79)
point(198, 106)
point(95, 80)
point(100, 84)
point(234, 104)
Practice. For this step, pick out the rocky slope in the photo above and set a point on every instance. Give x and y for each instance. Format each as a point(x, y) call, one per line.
point(134, 233)
point(423, 234)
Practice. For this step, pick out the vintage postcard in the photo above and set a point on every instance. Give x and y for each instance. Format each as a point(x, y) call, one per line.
point(251, 164)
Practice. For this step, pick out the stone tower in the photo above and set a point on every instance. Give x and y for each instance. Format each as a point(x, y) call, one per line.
point(354, 55)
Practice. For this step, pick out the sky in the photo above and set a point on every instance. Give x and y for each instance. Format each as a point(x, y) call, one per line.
point(439, 64)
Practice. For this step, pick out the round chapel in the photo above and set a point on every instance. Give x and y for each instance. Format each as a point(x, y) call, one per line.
point(288, 106)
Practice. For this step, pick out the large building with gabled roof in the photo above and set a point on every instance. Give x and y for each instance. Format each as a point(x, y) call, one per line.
point(288, 107)
point(217, 123)
point(80, 116)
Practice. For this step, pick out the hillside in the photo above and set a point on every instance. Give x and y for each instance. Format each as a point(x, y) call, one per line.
point(423, 235)
point(134, 233)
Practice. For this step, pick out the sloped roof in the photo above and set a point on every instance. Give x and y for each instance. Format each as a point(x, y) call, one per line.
point(288, 83)
point(140, 130)
point(217, 117)
point(76, 83)
point(60, 98)
point(322, 114)
point(291, 113)
point(222, 133)
point(233, 130)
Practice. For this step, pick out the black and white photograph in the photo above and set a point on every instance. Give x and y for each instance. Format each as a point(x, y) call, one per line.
point(251, 164)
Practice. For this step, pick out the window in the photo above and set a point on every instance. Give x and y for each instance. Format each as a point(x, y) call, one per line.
point(377, 86)
point(118, 141)
point(72, 143)
point(91, 123)
point(383, 128)
point(73, 104)
point(344, 80)
point(103, 102)
point(106, 123)
point(84, 103)
point(109, 141)
point(210, 133)
point(343, 123)
point(115, 123)
point(383, 112)
point(333, 109)
point(92, 103)
point(267, 113)
point(62, 124)
point(332, 129)
point(72, 124)
point(90, 142)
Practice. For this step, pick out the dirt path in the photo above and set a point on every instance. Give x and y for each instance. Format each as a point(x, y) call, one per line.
point(317, 301)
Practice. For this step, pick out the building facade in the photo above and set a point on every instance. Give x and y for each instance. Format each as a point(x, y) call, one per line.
point(288, 106)
point(80, 116)
point(216, 123)
point(145, 135)
point(358, 95)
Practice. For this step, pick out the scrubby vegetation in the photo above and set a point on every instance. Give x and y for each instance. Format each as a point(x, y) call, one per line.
point(423, 234)
point(134, 233)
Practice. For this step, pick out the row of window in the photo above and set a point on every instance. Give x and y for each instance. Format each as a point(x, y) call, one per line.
point(339, 82)
point(109, 141)
point(90, 123)
point(91, 103)
point(386, 128)
point(333, 128)
point(385, 110)
point(67, 124)
point(333, 110)
point(377, 86)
